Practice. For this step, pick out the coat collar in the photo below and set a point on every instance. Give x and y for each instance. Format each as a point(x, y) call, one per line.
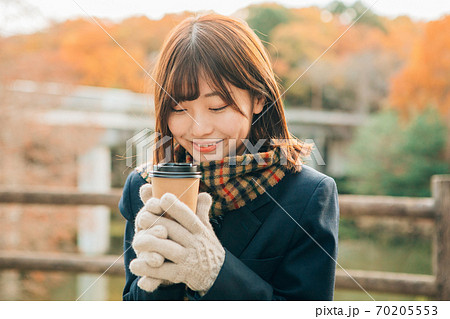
point(239, 226)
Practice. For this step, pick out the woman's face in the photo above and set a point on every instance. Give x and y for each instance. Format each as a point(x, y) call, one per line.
point(208, 128)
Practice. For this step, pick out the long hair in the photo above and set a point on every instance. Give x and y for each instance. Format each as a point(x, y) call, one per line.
point(223, 49)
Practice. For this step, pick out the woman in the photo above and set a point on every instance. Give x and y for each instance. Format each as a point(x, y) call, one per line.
point(266, 226)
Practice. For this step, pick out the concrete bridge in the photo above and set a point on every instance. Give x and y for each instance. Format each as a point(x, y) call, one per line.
point(124, 114)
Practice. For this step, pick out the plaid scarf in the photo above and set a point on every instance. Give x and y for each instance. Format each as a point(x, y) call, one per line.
point(232, 181)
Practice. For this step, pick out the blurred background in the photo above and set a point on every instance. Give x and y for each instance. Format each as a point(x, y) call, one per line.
point(376, 105)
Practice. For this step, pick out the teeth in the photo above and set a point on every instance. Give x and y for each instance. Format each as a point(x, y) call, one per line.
point(206, 145)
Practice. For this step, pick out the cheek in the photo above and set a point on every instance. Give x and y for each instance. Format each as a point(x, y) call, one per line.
point(176, 126)
point(235, 125)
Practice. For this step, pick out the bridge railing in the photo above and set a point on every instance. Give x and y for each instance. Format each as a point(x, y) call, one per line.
point(436, 209)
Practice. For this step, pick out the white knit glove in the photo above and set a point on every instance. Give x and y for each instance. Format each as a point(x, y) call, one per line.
point(193, 252)
point(153, 259)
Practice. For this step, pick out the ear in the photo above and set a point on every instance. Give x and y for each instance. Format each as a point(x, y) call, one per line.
point(259, 104)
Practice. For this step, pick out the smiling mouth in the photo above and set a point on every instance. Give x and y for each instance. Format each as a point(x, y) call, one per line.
point(207, 144)
point(205, 147)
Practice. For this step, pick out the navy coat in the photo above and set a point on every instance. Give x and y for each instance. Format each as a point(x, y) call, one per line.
point(280, 246)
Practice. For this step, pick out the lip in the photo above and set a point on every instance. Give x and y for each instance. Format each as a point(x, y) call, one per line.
point(206, 149)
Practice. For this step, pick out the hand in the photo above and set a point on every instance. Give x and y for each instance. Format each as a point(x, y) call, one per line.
point(195, 255)
point(153, 259)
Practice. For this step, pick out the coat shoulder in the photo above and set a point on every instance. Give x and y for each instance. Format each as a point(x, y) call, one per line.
point(130, 202)
point(307, 178)
point(296, 190)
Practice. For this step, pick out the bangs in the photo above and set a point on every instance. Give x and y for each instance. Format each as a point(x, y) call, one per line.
point(183, 82)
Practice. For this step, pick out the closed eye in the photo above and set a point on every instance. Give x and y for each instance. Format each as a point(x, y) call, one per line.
point(212, 109)
point(178, 111)
point(220, 108)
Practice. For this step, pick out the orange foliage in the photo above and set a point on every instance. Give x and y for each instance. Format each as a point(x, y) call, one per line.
point(401, 35)
point(425, 80)
point(398, 38)
point(301, 41)
point(307, 36)
point(80, 52)
point(97, 59)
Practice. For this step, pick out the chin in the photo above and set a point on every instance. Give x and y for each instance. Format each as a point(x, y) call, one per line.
point(207, 158)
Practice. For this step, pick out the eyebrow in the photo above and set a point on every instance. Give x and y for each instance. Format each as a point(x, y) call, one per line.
point(212, 94)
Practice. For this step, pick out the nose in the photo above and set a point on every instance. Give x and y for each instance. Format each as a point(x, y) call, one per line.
point(202, 126)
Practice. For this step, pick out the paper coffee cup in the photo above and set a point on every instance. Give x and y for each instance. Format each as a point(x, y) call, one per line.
point(180, 179)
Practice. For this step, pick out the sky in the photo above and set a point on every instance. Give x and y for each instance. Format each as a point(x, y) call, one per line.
point(24, 16)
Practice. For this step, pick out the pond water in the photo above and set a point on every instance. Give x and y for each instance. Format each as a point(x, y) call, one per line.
point(399, 254)
point(406, 256)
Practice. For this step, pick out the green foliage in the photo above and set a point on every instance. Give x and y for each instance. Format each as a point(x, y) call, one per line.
point(358, 9)
point(369, 18)
point(337, 7)
point(388, 159)
point(264, 18)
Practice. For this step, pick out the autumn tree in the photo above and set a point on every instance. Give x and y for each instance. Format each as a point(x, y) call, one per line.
point(425, 80)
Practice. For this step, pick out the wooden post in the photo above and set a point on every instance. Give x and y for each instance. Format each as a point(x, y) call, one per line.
point(441, 245)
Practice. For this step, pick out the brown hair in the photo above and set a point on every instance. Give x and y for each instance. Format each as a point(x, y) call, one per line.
point(223, 49)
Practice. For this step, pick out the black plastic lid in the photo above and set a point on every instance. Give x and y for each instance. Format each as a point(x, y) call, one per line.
point(175, 170)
